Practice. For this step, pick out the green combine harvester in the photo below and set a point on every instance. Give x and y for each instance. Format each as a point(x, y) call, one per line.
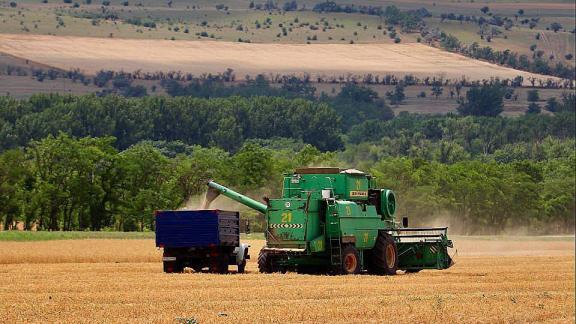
point(331, 220)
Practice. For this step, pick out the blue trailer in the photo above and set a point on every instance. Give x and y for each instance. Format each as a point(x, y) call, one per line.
point(200, 239)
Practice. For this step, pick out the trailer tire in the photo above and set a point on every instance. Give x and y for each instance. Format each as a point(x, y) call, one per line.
point(242, 266)
point(168, 266)
point(383, 258)
point(350, 260)
point(179, 267)
point(173, 267)
point(264, 264)
point(219, 264)
point(197, 268)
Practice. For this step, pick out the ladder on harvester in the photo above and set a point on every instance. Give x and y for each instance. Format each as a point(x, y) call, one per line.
point(335, 252)
point(335, 242)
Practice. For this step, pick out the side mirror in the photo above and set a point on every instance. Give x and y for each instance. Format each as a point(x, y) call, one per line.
point(247, 228)
point(404, 221)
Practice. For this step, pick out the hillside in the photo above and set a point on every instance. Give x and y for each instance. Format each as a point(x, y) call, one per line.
point(93, 54)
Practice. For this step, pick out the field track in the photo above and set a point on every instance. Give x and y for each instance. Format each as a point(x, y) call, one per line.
point(93, 54)
point(121, 280)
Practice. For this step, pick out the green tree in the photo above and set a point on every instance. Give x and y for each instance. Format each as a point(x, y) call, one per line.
point(149, 183)
point(533, 95)
point(437, 89)
point(253, 166)
point(533, 108)
point(485, 100)
point(15, 182)
point(555, 26)
point(397, 96)
point(568, 102)
point(552, 104)
point(69, 186)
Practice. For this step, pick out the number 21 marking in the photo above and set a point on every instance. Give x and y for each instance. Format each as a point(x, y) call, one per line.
point(286, 217)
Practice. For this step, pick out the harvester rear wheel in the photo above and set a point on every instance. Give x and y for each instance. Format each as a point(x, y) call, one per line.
point(264, 264)
point(350, 260)
point(413, 270)
point(383, 259)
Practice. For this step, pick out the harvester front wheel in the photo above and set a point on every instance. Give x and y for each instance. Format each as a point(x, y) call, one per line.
point(350, 260)
point(264, 264)
point(383, 259)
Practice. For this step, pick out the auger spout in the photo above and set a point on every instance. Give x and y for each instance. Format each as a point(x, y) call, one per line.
point(214, 190)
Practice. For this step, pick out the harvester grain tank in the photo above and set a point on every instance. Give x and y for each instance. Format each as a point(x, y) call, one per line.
point(334, 220)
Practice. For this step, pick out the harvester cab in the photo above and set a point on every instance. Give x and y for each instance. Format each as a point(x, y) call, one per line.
point(335, 220)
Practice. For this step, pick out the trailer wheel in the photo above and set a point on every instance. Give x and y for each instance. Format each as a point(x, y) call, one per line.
point(383, 258)
point(168, 266)
point(197, 268)
point(219, 264)
point(173, 267)
point(242, 266)
point(264, 263)
point(350, 260)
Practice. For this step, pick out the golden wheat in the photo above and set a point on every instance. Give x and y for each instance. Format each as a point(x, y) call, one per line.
point(122, 280)
point(93, 54)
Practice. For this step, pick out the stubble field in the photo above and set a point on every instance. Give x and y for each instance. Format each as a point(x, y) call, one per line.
point(121, 280)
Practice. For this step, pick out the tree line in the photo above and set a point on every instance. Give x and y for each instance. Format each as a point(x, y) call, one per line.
point(226, 116)
point(222, 122)
point(509, 58)
point(66, 183)
point(88, 162)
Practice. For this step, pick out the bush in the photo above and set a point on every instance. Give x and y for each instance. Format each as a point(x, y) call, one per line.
point(533, 96)
point(552, 104)
point(135, 91)
point(555, 26)
point(533, 108)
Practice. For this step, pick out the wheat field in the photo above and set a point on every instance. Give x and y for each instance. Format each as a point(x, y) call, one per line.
point(93, 54)
point(122, 281)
